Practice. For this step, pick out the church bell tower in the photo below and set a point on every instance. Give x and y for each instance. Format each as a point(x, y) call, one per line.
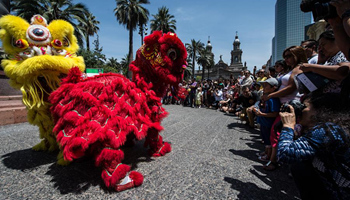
point(236, 53)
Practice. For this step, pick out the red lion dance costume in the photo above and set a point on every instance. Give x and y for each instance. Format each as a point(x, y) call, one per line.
point(96, 116)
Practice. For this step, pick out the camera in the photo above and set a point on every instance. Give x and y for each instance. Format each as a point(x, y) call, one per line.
point(321, 9)
point(296, 104)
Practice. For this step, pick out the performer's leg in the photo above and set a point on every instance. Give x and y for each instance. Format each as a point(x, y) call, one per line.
point(156, 144)
point(115, 174)
point(41, 117)
point(49, 142)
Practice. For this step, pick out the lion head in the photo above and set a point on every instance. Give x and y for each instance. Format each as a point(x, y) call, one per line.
point(38, 55)
point(161, 60)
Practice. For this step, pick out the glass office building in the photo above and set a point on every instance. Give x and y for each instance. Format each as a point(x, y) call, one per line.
point(290, 24)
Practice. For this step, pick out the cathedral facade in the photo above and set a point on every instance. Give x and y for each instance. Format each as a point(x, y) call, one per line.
point(222, 69)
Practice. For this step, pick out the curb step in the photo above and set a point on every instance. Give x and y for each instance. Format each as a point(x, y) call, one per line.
point(12, 110)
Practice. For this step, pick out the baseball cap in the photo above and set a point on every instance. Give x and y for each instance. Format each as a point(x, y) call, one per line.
point(272, 81)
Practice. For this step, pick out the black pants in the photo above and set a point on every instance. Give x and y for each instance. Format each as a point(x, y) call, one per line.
point(308, 181)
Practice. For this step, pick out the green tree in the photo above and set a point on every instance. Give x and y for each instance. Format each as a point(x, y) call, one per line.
point(53, 9)
point(124, 65)
point(193, 50)
point(163, 21)
point(187, 72)
point(128, 13)
point(95, 58)
point(112, 65)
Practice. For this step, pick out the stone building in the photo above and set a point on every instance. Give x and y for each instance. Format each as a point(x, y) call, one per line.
point(222, 69)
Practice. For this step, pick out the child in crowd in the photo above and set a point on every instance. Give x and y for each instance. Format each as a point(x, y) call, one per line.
point(199, 97)
point(266, 115)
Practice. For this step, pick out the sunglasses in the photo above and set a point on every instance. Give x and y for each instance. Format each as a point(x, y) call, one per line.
point(287, 56)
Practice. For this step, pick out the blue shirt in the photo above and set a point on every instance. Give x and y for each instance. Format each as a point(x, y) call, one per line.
point(327, 146)
point(271, 105)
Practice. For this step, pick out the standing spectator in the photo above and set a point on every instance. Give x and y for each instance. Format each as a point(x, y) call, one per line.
point(193, 88)
point(294, 56)
point(199, 97)
point(273, 73)
point(310, 47)
point(266, 115)
point(247, 81)
point(335, 68)
point(241, 77)
point(329, 49)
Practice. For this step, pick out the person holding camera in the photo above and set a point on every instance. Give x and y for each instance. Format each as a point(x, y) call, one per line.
point(321, 156)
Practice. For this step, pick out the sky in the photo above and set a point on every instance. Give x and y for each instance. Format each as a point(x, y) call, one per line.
point(197, 19)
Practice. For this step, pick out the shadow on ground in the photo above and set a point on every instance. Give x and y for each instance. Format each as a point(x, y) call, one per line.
point(75, 178)
point(252, 191)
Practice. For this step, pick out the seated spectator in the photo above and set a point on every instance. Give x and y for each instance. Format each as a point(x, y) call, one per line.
point(246, 99)
point(224, 104)
point(321, 156)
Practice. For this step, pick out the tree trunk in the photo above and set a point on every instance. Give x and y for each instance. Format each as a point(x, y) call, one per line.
point(203, 66)
point(208, 72)
point(131, 56)
point(141, 31)
point(193, 62)
point(88, 42)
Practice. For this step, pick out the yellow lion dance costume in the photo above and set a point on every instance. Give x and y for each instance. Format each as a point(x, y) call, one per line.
point(39, 56)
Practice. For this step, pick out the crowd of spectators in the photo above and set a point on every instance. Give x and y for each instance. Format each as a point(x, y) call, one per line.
point(301, 107)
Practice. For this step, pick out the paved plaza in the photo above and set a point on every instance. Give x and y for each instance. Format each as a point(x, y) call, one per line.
point(213, 157)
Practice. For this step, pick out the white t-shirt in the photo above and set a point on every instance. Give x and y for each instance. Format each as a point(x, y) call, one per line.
point(313, 59)
point(218, 97)
point(284, 82)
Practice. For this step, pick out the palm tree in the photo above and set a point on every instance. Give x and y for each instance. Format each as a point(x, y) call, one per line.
point(124, 64)
point(163, 21)
point(113, 62)
point(89, 25)
point(128, 13)
point(53, 9)
point(26, 8)
point(192, 50)
point(204, 60)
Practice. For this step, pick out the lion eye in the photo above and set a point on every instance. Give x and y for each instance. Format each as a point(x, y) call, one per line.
point(20, 43)
point(172, 54)
point(66, 42)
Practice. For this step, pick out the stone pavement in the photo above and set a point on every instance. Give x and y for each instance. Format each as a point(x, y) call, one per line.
point(213, 157)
